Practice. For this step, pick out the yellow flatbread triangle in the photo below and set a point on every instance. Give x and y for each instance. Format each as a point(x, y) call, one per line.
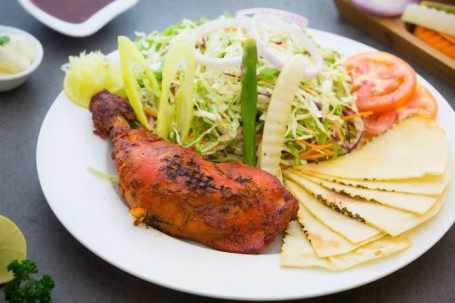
point(427, 185)
point(407, 202)
point(390, 220)
point(324, 241)
point(297, 251)
point(349, 228)
point(413, 148)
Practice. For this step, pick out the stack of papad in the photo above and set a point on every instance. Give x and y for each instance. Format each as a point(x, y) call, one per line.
point(356, 208)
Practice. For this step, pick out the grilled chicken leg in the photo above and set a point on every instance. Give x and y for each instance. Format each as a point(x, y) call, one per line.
point(228, 206)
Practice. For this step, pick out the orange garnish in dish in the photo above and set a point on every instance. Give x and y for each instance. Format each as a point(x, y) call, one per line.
point(360, 114)
point(138, 212)
point(443, 43)
point(314, 146)
point(150, 112)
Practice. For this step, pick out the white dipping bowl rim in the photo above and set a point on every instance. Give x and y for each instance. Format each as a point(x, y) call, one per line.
point(36, 60)
point(94, 23)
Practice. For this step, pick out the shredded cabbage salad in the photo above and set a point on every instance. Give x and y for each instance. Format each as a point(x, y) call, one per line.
point(323, 123)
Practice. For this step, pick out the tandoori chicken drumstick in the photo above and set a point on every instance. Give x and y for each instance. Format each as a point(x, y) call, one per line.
point(228, 206)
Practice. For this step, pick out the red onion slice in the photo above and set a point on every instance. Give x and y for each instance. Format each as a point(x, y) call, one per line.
point(383, 8)
point(296, 18)
point(211, 26)
point(314, 65)
point(356, 143)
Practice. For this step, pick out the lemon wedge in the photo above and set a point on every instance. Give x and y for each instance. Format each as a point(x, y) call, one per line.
point(12, 247)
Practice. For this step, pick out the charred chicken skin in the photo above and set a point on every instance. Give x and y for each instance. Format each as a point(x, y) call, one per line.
point(228, 206)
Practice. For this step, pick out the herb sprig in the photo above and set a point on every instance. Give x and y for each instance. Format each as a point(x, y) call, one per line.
point(4, 40)
point(24, 288)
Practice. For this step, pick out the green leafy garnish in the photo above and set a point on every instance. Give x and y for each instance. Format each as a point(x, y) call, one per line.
point(269, 72)
point(4, 39)
point(24, 288)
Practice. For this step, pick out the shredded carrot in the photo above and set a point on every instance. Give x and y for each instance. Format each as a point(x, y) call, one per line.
point(309, 86)
point(220, 146)
point(230, 28)
point(308, 152)
point(284, 166)
point(150, 112)
point(338, 130)
point(190, 136)
point(314, 146)
point(304, 156)
point(364, 141)
point(360, 114)
point(138, 212)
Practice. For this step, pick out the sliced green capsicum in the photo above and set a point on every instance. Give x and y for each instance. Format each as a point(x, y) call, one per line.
point(181, 110)
point(129, 54)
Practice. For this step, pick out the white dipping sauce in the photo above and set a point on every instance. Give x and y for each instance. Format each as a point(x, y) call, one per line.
point(16, 55)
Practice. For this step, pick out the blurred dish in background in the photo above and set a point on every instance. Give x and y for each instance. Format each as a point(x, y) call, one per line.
point(71, 11)
point(16, 53)
point(425, 32)
point(80, 19)
point(20, 55)
point(434, 24)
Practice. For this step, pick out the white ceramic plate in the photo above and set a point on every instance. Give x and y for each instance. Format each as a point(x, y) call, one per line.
point(93, 212)
point(86, 28)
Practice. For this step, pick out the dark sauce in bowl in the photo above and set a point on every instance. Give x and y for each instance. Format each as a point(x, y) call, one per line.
point(73, 11)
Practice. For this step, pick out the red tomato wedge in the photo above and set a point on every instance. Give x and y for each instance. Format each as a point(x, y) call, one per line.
point(422, 103)
point(382, 81)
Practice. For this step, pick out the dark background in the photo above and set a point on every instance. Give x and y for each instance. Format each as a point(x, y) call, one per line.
point(80, 275)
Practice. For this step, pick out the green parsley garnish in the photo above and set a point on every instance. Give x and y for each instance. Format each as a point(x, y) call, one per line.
point(4, 39)
point(24, 288)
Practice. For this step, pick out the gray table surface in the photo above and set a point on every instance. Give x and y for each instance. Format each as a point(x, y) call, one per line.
point(80, 275)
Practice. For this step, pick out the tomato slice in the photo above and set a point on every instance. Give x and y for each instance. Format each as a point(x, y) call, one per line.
point(382, 81)
point(422, 103)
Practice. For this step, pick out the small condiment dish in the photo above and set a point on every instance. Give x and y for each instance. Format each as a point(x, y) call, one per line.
point(9, 82)
point(84, 29)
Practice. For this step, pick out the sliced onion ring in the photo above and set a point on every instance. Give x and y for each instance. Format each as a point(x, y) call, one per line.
point(314, 65)
point(211, 26)
point(296, 18)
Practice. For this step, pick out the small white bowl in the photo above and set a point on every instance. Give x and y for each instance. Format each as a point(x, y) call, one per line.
point(9, 82)
point(86, 28)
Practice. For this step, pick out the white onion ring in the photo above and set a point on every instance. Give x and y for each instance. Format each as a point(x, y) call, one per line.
point(316, 62)
point(296, 18)
point(211, 26)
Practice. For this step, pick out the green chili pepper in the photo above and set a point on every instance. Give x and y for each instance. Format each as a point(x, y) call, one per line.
point(129, 54)
point(249, 98)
